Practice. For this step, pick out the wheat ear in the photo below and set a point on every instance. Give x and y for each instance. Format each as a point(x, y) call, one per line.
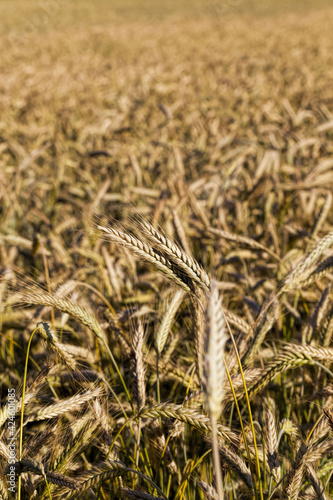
point(65, 306)
point(214, 371)
point(181, 232)
point(215, 339)
point(199, 327)
point(235, 463)
point(188, 265)
point(324, 211)
point(272, 445)
point(139, 494)
point(166, 323)
point(188, 416)
point(147, 253)
point(98, 473)
point(60, 350)
point(65, 405)
point(304, 268)
point(290, 357)
point(316, 484)
point(209, 491)
point(138, 366)
point(3, 490)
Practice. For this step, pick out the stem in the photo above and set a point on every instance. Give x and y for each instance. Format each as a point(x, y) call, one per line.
point(216, 458)
point(241, 422)
point(47, 276)
point(138, 444)
point(157, 378)
point(249, 410)
point(22, 410)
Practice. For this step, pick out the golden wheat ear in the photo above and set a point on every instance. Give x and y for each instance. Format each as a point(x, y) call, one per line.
point(145, 252)
point(214, 372)
point(215, 339)
point(185, 263)
point(138, 366)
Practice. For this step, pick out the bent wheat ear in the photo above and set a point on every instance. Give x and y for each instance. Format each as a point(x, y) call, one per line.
point(289, 357)
point(243, 240)
point(65, 306)
point(304, 269)
point(98, 473)
point(215, 339)
point(186, 264)
point(65, 405)
point(60, 350)
point(147, 253)
point(188, 416)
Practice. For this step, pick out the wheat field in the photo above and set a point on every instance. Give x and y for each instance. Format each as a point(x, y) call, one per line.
point(166, 250)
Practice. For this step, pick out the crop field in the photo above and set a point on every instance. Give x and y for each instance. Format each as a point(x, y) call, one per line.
point(166, 250)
